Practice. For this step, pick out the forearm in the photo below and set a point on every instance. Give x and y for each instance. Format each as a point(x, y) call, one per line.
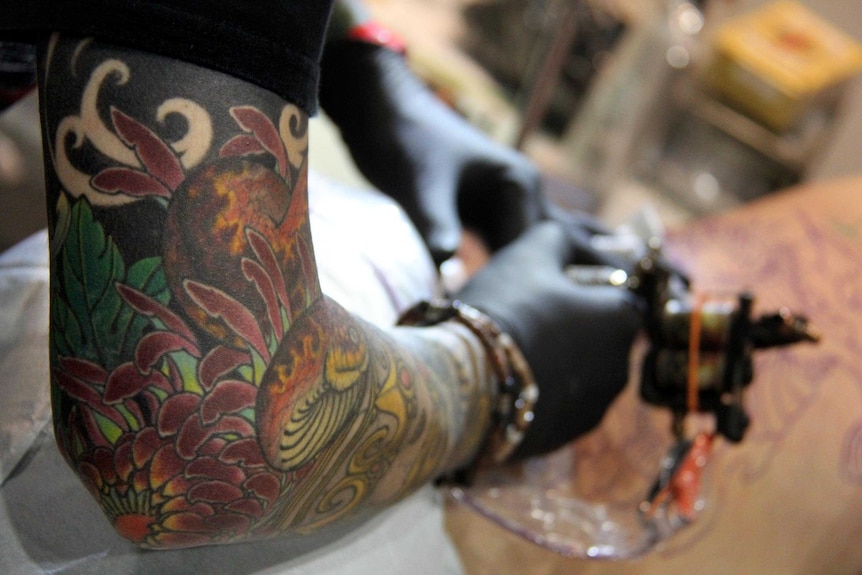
point(382, 413)
point(204, 389)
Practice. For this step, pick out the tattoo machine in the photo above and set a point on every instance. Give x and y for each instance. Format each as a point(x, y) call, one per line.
point(699, 361)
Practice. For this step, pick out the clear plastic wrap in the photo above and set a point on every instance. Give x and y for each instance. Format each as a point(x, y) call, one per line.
point(590, 499)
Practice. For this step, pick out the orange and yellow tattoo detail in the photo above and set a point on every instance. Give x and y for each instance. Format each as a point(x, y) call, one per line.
point(204, 388)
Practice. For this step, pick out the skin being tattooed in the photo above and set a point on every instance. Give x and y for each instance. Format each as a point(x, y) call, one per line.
point(204, 389)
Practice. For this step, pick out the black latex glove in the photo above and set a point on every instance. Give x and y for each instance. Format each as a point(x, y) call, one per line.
point(408, 143)
point(576, 339)
point(589, 227)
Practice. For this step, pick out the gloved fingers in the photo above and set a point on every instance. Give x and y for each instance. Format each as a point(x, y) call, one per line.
point(585, 251)
point(441, 236)
point(499, 193)
point(585, 229)
point(543, 253)
point(432, 210)
point(589, 223)
point(550, 244)
point(546, 244)
point(501, 216)
point(580, 226)
point(442, 243)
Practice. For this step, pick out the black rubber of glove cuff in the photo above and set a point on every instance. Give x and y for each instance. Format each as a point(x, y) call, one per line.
point(577, 339)
point(444, 172)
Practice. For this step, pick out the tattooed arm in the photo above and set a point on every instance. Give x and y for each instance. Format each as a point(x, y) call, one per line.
point(204, 389)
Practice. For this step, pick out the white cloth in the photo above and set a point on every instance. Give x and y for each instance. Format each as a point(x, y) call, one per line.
point(25, 405)
point(49, 523)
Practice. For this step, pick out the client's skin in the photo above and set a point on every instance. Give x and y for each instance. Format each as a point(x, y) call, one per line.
point(204, 389)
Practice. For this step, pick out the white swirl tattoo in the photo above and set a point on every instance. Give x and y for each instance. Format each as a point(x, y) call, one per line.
point(89, 126)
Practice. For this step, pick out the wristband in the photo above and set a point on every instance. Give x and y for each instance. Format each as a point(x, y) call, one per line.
point(518, 391)
point(373, 33)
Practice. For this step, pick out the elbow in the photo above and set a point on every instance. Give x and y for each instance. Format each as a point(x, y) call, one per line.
point(200, 484)
point(170, 467)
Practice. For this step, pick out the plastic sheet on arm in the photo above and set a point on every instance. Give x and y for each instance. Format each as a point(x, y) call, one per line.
point(583, 500)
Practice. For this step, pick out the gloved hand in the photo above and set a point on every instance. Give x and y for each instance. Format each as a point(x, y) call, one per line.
point(409, 144)
point(576, 339)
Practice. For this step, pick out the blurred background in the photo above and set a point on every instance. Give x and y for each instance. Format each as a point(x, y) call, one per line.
point(687, 106)
point(690, 107)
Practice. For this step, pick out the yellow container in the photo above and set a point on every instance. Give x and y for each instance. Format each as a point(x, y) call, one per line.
point(779, 61)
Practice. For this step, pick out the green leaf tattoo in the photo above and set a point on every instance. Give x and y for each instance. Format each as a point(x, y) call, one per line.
point(92, 320)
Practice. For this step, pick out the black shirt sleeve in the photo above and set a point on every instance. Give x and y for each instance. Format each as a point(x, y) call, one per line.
point(275, 44)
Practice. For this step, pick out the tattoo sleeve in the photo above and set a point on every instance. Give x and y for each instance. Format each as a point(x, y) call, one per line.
point(204, 389)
